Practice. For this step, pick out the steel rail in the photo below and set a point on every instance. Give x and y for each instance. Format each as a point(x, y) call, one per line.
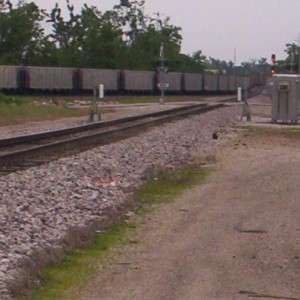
point(37, 155)
point(76, 129)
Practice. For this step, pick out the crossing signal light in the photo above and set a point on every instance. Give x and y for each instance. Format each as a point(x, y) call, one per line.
point(273, 71)
point(273, 58)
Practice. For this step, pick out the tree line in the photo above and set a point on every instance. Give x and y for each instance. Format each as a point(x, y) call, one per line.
point(124, 37)
point(121, 38)
point(289, 65)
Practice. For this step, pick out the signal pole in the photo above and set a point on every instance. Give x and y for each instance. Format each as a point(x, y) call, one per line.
point(162, 70)
point(234, 57)
point(273, 58)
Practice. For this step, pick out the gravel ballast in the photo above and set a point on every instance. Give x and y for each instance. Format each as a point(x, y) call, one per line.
point(48, 210)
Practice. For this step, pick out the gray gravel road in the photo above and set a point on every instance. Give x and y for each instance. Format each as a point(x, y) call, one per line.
point(236, 237)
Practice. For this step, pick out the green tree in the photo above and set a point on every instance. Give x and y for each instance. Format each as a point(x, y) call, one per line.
point(20, 29)
point(292, 60)
point(124, 37)
point(217, 65)
point(198, 57)
point(66, 36)
point(88, 39)
point(131, 18)
point(259, 66)
point(143, 35)
point(102, 44)
point(254, 66)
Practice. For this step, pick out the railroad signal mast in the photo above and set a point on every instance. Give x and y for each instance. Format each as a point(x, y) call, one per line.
point(162, 71)
point(273, 69)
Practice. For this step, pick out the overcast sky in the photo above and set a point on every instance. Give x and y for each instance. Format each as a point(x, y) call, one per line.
point(256, 28)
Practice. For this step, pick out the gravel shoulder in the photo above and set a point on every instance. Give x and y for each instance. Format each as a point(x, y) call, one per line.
point(236, 237)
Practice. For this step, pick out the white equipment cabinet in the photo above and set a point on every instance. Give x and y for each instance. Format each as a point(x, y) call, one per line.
point(285, 98)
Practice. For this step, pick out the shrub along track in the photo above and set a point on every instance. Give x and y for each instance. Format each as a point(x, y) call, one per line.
point(31, 150)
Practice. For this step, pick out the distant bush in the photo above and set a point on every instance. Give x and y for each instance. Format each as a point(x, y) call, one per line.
point(5, 99)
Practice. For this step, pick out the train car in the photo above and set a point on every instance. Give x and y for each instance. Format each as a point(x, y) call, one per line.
point(91, 78)
point(75, 80)
point(246, 83)
point(243, 82)
point(257, 79)
point(174, 81)
point(253, 80)
point(239, 82)
point(210, 82)
point(9, 77)
point(232, 83)
point(193, 82)
point(223, 83)
point(49, 78)
point(138, 81)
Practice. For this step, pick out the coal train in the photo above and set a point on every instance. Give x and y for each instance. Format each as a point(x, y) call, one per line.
point(73, 80)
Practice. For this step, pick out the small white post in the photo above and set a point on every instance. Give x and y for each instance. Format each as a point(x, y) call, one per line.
point(239, 94)
point(101, 91)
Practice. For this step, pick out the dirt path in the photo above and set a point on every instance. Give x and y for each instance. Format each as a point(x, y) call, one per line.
point(236, 237)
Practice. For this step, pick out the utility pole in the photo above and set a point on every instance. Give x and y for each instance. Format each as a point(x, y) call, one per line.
point(162, 70)
point(234, 57)
point(298, 52)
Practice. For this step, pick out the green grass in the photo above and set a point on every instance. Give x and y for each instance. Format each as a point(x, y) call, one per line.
point(12, 114)
point(18, 110)
point(64, 281)
point(276, 132)
point(21, 109)
point(168, 186)
point(17, 100)
point(292, 133)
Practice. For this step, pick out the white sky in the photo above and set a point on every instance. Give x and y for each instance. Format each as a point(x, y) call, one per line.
point(256, 28)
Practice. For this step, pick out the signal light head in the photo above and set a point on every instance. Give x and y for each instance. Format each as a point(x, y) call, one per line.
point(273, 71)
point(273, 58)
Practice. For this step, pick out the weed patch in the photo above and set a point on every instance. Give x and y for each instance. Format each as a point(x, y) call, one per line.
point(169, 185)
point(274, 132)
point(5, 99)
point(62, 281)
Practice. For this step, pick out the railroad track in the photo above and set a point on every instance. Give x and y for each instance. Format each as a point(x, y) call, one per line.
point(22, 152)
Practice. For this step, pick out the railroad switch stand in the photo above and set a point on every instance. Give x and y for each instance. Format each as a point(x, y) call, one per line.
point(246, 108)
point(246, 111)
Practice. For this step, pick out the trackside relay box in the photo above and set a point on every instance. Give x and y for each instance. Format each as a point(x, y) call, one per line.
point(285, 98)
